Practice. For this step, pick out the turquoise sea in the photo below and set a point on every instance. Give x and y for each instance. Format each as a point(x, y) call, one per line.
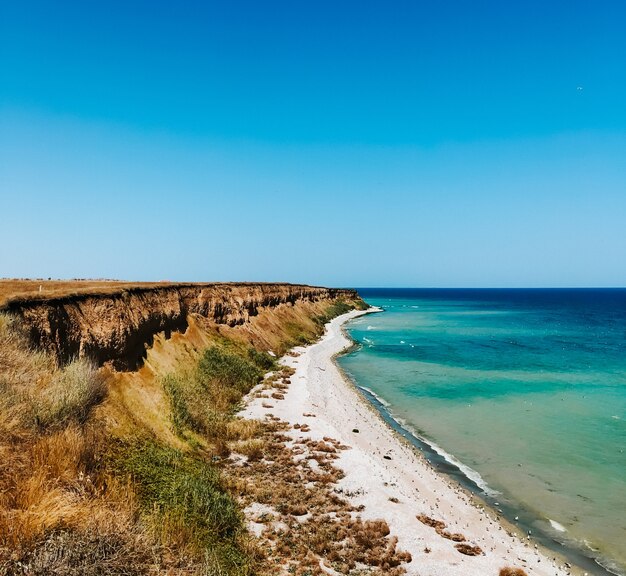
point(523, 393)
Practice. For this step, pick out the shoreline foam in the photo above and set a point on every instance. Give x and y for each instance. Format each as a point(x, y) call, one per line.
point(390, 478)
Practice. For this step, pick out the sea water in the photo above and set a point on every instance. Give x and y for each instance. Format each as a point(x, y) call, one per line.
point(524, 389)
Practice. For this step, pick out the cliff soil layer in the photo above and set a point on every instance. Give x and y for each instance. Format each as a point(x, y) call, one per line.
point(115, 322)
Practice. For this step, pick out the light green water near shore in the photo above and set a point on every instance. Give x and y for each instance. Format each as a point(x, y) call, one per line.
point(527, 391)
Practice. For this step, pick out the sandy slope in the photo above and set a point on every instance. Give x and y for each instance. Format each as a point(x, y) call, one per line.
point(319, 388)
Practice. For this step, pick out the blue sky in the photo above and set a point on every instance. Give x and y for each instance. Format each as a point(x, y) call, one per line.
point(457, 143)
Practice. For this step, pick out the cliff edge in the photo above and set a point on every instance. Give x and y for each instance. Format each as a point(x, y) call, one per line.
point(117, 326)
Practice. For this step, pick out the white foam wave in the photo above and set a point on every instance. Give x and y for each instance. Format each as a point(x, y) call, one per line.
point(467, 471)
point(381, 400)
point(558, 527)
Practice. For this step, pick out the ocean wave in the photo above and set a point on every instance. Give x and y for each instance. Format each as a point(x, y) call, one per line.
point(468, 472)
point(381, 400)
point(558, 527)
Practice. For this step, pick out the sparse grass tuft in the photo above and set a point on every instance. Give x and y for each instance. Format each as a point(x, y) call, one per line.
point(242, 429)
point(252, 448)
point(70, 395)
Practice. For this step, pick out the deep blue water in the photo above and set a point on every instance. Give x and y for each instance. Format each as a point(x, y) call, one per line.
point(525, 387)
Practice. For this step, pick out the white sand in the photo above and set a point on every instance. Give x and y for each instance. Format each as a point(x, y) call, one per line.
point(318, 387)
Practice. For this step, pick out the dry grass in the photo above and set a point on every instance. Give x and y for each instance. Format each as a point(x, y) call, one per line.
point(440, 528)
point(47, 459)
point(30, 289)
point(69, 395)
point(34, 392)
point(89, 552)
point(60, 511)
point(242, 429)
point(12, 289)
point(252, 448)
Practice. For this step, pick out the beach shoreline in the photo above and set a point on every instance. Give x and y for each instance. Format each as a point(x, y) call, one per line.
point(389, 478)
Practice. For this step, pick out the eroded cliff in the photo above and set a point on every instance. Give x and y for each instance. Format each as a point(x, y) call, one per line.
point(117, 327)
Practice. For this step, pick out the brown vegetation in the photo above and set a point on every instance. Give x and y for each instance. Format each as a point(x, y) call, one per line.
point(512, 572)
point(469, 550)
point(56, 515)
point(439, 527)
point(311, 523)
point(44, 288)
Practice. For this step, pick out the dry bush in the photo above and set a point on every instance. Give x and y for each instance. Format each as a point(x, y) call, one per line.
point(242, 429)
point(322, 447)
point(252, 448)
point(454, 536)
point(508, 571)
point(468, 549)
point(436, 524)
point(439, 527)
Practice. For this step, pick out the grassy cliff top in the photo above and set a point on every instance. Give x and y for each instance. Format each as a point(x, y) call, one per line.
point(36, 289)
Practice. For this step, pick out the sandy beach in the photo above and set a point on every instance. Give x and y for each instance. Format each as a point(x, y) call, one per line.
point(389, 478)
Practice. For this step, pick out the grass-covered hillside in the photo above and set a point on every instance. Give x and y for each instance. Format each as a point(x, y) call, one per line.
point(123, 473)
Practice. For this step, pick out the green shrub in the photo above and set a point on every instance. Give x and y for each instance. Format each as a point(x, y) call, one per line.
point(178, 489)
point(335, 309)
point(182, 494)
point(228, 369)
point(262, 359)
point(202, 400)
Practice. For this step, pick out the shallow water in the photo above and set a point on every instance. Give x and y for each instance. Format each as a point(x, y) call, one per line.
point(525, 387)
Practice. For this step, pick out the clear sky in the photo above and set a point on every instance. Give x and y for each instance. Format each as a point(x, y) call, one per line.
point(439, 143)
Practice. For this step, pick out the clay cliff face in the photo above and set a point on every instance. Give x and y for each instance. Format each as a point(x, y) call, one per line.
point(117, 327)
